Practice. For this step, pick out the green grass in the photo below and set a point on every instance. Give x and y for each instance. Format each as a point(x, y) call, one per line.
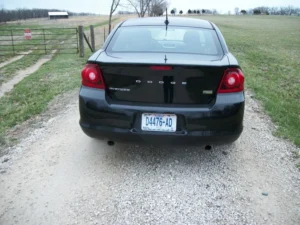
point(4, 58)
point(268, 49)
point(19, 26)
point(8, 71)
point(31, 96)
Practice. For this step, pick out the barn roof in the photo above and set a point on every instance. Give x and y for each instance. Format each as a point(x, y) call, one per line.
point(57, 13)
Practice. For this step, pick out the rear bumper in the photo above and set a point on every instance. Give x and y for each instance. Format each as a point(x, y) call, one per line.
point(188, 138)
point(221, 123)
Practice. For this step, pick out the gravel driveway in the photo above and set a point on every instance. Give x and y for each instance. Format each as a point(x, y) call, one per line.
point(57, 175)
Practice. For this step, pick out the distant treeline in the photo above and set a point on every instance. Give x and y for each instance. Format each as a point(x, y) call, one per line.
point(284, 10)
point(202, 11)
point(262, 10)
point(23, 14)
point(126, 12)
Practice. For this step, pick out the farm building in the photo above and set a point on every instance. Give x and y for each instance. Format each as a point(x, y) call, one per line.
point(58, 15)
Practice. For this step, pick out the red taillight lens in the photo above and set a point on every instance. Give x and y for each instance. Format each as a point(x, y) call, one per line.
point(92, 76)
point(232, 81)
point(163, 68)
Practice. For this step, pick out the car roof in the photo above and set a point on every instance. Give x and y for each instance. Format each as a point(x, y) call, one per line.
point(173, 21)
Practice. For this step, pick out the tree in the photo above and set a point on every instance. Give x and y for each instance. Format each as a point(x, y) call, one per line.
point(190, 11)
point(173, 12)
point(203, 11)
point(274, 10)
point(198, 11)
point(180, 12)
point(195, 11)
point(113, 7)
point(140, 6)
point(157, 7)
point(243, 11)
point(256, 12)
point(236, 10)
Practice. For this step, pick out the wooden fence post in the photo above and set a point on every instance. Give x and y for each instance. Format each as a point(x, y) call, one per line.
point(81, 41)
point(92, 37)
point(104, 35)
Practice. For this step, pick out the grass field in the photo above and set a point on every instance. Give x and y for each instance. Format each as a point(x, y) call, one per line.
point(55, 77)
point(73, 21)
point(31, 95)
point(267, 47)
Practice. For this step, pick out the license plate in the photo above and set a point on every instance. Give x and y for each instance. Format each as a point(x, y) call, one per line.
point(159, 122)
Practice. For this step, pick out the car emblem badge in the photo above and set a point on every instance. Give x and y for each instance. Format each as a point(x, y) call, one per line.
point(207, 92)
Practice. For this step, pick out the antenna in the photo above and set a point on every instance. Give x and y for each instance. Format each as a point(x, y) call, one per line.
point(167, 21)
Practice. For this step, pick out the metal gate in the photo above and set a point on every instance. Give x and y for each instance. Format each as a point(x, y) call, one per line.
point(38, 41)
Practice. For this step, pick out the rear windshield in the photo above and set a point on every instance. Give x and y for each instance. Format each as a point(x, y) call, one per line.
point(172, 40)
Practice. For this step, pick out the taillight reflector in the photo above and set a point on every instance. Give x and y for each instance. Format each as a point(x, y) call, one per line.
point(163, 68)
point(232, 81)
point(92, 76)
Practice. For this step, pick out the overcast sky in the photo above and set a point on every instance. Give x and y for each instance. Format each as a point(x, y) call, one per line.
point(102, 6)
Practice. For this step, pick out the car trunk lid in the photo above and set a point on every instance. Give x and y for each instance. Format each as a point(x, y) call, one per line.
point(162, 78)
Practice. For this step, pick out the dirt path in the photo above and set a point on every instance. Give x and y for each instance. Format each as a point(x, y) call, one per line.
point(16, 58)
point(6, 87)
point(57, 175)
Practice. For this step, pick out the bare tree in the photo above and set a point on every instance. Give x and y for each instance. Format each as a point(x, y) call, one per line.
point(140, 6)
point(274, 10)
point(157, 7)
point(113, 7)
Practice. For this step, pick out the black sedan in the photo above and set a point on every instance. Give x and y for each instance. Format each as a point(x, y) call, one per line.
point(163, 81)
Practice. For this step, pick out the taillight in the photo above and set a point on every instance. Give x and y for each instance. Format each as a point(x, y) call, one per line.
point(232, 81)
point(92, 76)
point(162, 68)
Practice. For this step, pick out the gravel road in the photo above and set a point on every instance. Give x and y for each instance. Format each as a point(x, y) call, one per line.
point(57, 175)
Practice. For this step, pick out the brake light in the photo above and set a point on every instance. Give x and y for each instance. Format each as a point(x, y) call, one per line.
point(162, 68)
point(92, 76)
point(232, 81)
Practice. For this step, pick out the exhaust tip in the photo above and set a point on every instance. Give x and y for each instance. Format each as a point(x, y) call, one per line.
point(208, 147)
point(111, 143)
